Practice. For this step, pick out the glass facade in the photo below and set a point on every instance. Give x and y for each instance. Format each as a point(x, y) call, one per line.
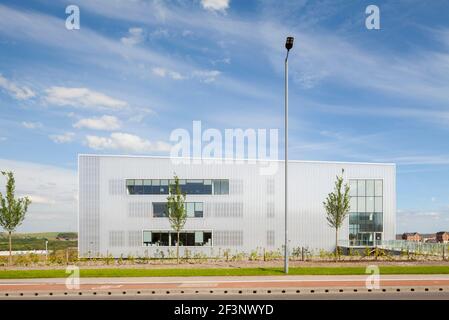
point(366, 212)
point(169, 238)
point(193, 209)
point(190, 186)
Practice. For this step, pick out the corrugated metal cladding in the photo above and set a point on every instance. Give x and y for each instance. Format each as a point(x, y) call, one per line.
point(251, 216)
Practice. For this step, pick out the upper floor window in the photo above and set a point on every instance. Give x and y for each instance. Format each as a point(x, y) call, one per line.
point(193, 209)
point(189, 186)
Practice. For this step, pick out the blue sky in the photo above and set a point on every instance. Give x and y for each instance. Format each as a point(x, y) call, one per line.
point(138, 69)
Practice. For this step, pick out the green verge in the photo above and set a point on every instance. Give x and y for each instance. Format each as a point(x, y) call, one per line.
point(90, 273)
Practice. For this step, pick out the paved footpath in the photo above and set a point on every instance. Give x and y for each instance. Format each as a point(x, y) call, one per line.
point(221, 285)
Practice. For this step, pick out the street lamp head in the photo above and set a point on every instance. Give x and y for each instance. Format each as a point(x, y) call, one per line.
point(289, 43)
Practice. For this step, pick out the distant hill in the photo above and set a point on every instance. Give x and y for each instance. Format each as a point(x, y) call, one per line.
point(41, 235)
point(36, 240)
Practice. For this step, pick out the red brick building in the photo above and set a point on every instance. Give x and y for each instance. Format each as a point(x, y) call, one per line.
point(411, 236)
point(442, 236)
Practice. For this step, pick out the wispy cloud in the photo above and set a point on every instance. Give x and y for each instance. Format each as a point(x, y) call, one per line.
point(102, 123)
point(15, 90)
point(62, 138)
point(206, 76)
point(82, 97)
point(410, 220)
point(126, 142)
point(135, 36)
point(215, 5)
point(32, 125)
point(162, 72)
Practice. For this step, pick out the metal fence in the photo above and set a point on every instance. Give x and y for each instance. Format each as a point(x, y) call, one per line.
point(400, 246)
point(414, 247)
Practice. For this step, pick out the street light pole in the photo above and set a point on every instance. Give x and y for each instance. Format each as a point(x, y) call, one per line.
point(288, 46)
point(46, 250)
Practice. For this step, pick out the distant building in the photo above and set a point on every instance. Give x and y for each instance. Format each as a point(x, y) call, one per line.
point(442, 236)
point(411, 236)
point(428, 237)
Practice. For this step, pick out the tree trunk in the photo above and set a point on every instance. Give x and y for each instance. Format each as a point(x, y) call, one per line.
point(336, 244)
point(177, 249)
point(10, 248)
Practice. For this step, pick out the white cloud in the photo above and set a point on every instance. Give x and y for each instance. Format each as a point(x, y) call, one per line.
point(215, 5)
point(102, 123)
point(160, 33)
point(162, 72)
point(224, 61)
point(32, 125)
point(52, 191)
point(82, 97)
point(135, 36)
point(18, 92)
point(126, 142)
point(206, 76)
point(62, 138)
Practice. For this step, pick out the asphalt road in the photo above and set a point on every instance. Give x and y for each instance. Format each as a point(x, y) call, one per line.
point(273, 287)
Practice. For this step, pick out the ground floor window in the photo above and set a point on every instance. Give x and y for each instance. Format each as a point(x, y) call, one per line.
point(191, 238)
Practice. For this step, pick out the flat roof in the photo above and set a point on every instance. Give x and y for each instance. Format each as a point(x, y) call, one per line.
point(233, 159)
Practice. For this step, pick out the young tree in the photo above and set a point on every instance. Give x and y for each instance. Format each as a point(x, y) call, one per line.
point(12, 210)
point(176, 211)
point(337, 207)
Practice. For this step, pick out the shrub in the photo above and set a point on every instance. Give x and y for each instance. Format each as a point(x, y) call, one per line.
point(253, 255)
point(22, 260)
point(273, 255)
point(226, 253)
point(239, 256)
point(186, 253)
point(130, 258)
point(199, 256)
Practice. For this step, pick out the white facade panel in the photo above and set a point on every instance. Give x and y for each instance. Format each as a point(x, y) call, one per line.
point(251, 216)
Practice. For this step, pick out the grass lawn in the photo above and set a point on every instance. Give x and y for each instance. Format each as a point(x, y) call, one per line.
point(86, 273)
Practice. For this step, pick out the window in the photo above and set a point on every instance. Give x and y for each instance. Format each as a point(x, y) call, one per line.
point(193, 209)
point(370, 188)
point(147, 238)
point(170, 238)
point(138, 186)
point(361, 186)
point(159, 209)
point(353, 188)
point(147, 186)
point(192, 186)
point(366, 210)
point(361, 204)
point(158, 238)
point(370, 204)
point(379, 188)
point(190, 209)
point(221, 186)
point(198, 210)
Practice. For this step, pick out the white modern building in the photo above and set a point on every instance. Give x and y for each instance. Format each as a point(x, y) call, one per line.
point(235, 206)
